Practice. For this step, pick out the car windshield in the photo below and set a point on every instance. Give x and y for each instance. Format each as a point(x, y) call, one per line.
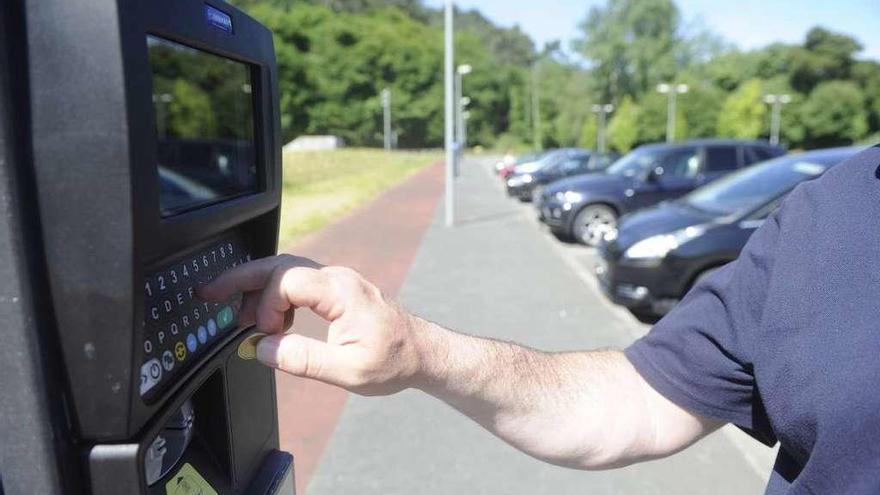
point(637, 162)
point(547, 160)
point(567, 163)
point(526, 158)
point(757, 185)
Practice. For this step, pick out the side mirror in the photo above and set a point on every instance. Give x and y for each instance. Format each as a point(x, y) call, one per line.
point(655, 174)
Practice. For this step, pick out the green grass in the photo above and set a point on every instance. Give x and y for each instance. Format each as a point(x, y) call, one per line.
point(319, 187)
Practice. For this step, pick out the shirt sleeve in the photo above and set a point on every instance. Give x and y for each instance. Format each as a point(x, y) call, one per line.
point(700, 355)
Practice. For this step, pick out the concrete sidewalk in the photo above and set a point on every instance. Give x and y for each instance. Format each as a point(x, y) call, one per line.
point(497, 274)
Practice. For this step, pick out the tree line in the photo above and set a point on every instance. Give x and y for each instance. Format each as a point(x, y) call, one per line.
point(336, 56)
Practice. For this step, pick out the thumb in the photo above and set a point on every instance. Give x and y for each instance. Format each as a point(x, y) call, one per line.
point(303, 356)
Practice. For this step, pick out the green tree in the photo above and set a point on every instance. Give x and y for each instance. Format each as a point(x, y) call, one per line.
point(701, 106)
point(825, 55)
point(653, 108)
point(742, 114)
point(631, 44)
point(190, 114)
point(589, 133)
point(866, 73)
point(623, 130)
point(833, 114)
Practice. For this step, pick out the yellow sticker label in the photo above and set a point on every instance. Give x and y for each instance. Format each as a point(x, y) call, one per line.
point(188, 481)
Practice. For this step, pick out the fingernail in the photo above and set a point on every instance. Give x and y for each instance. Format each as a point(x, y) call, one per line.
point(267, 351)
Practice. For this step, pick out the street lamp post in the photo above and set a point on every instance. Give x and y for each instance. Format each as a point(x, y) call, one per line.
point(776, 102)
point(465, 116)
point(462, 124)
point(460, 72)
point(671, 90)
point(449, 94)
point(386, 107)
point(161, 101)
point(601, 110)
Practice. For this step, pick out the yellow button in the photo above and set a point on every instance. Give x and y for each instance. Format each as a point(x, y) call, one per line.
point(180, 351)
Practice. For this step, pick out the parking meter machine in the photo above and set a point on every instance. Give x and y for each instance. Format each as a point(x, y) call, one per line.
point(152, 134)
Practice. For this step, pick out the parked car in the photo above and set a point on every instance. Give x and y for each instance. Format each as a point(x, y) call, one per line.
point(509, 169)
point(598, 162)
point(572, 162)
point(659, 253)
point(586, 208)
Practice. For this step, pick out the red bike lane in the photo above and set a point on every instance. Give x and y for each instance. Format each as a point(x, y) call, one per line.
point(380, 240)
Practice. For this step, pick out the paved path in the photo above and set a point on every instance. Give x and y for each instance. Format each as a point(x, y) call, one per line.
point(498, 274)
point(381, 243)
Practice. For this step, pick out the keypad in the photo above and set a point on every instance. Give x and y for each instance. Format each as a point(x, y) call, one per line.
point(178, 326)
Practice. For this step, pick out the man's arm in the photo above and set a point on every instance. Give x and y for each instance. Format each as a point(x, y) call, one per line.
point(587, 410)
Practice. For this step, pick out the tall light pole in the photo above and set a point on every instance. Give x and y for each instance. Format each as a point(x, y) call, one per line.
point(601, 110)
point(386, 107)
point(465, 116)
point(449, 93)
point(776, 102)
point(161, 101)
point(460, 72)
point(671, 90)
point(462, 124)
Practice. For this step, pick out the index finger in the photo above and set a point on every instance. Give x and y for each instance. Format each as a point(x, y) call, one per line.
point(251, 276)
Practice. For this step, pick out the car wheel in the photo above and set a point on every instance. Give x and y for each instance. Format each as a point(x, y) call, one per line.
point(592, 223)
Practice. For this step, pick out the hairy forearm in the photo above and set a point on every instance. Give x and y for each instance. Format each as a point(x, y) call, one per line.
point(582, 409)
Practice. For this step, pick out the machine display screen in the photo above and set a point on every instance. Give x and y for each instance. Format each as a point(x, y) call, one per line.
point(204, 114)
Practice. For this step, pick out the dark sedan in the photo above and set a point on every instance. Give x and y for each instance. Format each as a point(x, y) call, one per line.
point(658, 254)
point(587, 207)
point(526, 185)
point(555, 165)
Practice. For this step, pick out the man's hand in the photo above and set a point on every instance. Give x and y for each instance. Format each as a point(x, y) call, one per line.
point(588, 410)
point(371, 346)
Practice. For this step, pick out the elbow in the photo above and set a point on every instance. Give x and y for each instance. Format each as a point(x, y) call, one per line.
point(596, 457)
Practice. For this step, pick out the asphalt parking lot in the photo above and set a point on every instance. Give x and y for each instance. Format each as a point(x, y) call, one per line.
point(498, 273)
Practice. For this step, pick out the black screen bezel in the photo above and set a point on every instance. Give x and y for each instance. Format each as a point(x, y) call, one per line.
point(157, 237)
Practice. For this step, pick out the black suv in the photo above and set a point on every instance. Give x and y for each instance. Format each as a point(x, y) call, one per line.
point(587, 207)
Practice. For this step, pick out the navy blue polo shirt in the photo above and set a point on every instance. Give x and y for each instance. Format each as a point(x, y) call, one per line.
point(785, 341)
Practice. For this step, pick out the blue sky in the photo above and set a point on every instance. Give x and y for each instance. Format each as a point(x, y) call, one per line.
point(747, 23)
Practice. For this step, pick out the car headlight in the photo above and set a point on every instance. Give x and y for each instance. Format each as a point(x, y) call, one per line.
point(514, 181)
point(569, 196)
point(527, 178)
point(658, 246)
point(572, 197)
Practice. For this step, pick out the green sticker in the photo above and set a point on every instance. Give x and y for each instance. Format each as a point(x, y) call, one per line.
point(188, 481)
